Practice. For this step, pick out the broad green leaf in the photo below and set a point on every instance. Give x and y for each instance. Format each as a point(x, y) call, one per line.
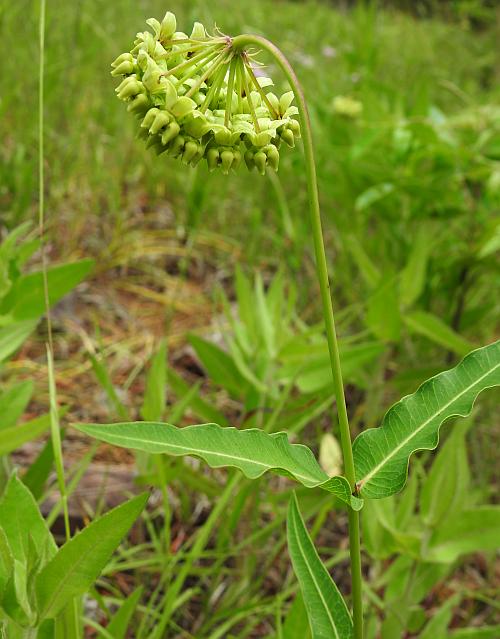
point(313, 372)
point(438, 625)
point(329, 617)
point(382, 314)
point(372, 195)
point(412, 280)
point(369, 272)
point(13, 403)
point(483, 632)
point(156, 385)
point(13, 335)
point(436, 330)
point(381, 454)
point(219, 365)
point(118, 625)
point(104, 379)
point(198, 405)
point(6, 562)
point(16, 436)
point(252, 451)
point(26, 300)
point(474, 530)
point(296, 624)
point(20, 519)
point(450, 474)
point(37, 474)
point(79, 562)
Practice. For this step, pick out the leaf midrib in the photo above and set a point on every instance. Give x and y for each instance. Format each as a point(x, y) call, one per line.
point(362, 482)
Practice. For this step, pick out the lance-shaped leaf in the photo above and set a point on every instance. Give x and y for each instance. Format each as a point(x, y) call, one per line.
point(252, 451)
point(381, 454)
point(78, 563)
point(328, 614)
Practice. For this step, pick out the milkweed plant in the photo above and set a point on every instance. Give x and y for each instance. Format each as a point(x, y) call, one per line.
point(205, 98)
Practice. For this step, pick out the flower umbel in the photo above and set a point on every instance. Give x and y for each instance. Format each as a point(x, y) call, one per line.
point(197, 97)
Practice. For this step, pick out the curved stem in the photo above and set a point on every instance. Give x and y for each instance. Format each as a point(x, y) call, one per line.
point(240, 43)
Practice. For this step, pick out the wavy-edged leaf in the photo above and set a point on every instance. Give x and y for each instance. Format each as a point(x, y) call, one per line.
point(78, 563)
point(381, 454)
point(328, 614)
point(252, 451)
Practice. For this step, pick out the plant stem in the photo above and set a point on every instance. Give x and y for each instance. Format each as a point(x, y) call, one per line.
point(239, 44)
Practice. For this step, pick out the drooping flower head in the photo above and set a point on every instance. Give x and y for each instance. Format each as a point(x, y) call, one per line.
point(199, 98)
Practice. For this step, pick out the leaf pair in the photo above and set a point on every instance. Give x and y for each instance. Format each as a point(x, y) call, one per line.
point(38, 580)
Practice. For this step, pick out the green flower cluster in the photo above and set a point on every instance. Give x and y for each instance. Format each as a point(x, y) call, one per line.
point(197, 97)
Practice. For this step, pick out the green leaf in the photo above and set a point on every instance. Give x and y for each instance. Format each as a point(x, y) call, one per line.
point(436, 330)
point(474, 530)
point(369, 272)
point(438, 625)
point(381, 454)
point(219, 365)
point(156, 385)
point(329, 617)
point(450, 473)
point(6, 562)
point(118, 625)
point(252, 451)
point(313, 371)
point(79, 562)
point(38, 473)
point(21, 519)
point(382, 314)
point(296, 624)
point(484, 632)
point(412, 280)
point(13, 335)
point(372, 195)
point(16, 436)
point(26, 299)
point(13, 403)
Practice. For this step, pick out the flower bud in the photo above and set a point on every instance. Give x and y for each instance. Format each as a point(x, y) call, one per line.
point(273, 157)
point(124, 57)
point(176, 146)
point(124, 68)
point(129, 88)
point(149, 118)
point(249, 159)
point(190, 151)
point(139, 104)
point(294, 126)
point(170, 132)
point(212, 156)
point(287, 137)
point(226, 158)
point(161, 120)
point(260, 160)
point(237, 159)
